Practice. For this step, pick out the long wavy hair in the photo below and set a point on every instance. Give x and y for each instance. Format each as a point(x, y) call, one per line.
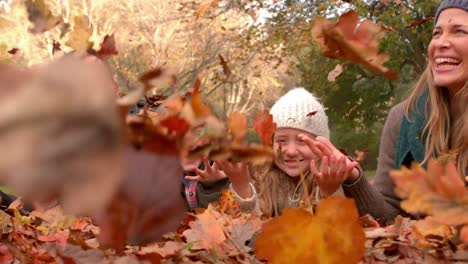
point(278, 191)
point(446, 128)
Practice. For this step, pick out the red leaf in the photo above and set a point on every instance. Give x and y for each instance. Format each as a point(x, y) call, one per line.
point(61, 238)
point(55, 47)
point(176, 125)
point(311, 114)
point(265, 127)
point(107, 47)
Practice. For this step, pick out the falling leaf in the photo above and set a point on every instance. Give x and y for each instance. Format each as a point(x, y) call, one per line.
point(55, 47)
point(227, 72)
point(265, 127)
point(330, 236)
point(439, 192)
point(352, 40)
point(360, 155)
point(148, 203)
point(335, 73)
point(237, 124)
point(79, 37)
point(13, 51)
point(420, 22)
point(40, 16)
point(107, 47)
point(64, 29)
point(311, 114)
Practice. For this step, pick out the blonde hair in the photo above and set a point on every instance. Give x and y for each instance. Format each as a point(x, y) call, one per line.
point(446, 128)
point(278, 191)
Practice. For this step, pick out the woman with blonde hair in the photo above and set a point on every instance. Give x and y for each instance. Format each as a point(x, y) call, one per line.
point(432, 121)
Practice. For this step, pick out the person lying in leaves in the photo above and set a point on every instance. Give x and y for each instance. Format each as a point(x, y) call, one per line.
point(281, 186)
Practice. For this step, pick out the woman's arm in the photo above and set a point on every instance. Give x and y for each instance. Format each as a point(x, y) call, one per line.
point(379, 200)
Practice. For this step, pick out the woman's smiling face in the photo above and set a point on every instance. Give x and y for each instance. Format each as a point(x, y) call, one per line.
point(448, 49)
point(292, 155)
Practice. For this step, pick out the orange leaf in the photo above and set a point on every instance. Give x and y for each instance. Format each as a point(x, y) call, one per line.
point(464, 234)
point(199, 108)
point(352, 40)
point(206, 231)
point(330, 236)
point(265, 127)
point(228, 203)
point(439, 191)
point(237, 124)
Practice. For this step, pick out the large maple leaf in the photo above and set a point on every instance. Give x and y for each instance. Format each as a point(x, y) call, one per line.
point(333, 235)
point(353, 40)
point(439, 191)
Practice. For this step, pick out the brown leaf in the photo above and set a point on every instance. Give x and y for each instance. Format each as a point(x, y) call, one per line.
point(40, 16)
point(237, 124)
point(265, 127)
point(311, 114)
point(352, 40)
point(107, 47)
point(330, 236)
point(79, 37)
point(148, 203)
point(55, 47)
point(420, 22)
point(13, 51)
point(226, 69)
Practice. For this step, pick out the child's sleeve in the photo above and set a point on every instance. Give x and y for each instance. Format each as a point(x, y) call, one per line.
point(247, 205)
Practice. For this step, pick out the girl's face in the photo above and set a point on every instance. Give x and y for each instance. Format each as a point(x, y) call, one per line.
point(448, 50)
point(292, 155)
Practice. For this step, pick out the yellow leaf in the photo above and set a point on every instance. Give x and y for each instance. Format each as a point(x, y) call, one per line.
point(79, 37)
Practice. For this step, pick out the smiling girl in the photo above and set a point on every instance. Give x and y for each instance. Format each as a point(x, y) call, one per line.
point(299, 118)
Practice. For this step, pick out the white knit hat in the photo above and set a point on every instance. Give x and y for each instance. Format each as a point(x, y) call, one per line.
point(300, 109)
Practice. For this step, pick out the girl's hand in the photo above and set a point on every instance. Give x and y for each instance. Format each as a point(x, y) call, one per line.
point(238, 173)
point(332, 173)
point(335, 168)
point(210, 173)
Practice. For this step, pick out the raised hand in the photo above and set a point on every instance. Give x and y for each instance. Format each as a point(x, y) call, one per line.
point(238, 173)
point(335, 167)
point(211, 172)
